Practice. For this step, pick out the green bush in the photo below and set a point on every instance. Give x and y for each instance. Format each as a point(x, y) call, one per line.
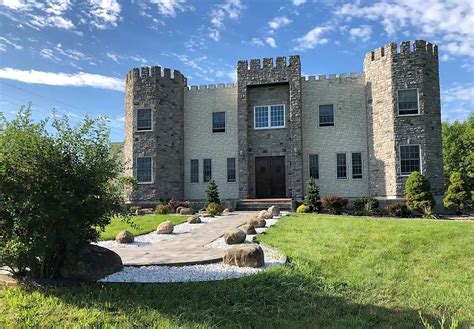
point(212, 193)
point(398, 209)
point(303, 209)
point(417, 192)
point(59, 187)
point(366, 205)
point(333, 204)
point(163, 209)
point(312, 199)
point(457, 196)
point(214, 209)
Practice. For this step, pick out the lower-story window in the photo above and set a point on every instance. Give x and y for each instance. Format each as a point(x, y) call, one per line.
point(194, 171)
point(231, 169)
point(314, 166)
point(356, 165)
point(144, 170)
point(206, 170)
point(409, 159)
point(341, 166)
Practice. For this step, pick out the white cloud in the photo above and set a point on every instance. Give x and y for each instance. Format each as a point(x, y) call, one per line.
point(271, 42)
point(362, 32)
point(230, 9)
point(460, 93)
point(278, 22)
point(4, 41)
point(104, 13)
point(298, 2)
point(80, 79)
point(312, 39)
point(257, 42)
point(231, 75)
point(170, 7)
point(12, 4)
point(49, 54)
point(214, 35)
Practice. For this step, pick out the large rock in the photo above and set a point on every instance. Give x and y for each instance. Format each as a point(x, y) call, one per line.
point(245, 256)
point(140, 212)
point(186, 211)
point(264, 214)
point(194, 219)
point(226, 212)
point(124, 237)
point(234, 236)
point(165, 228)
point(274, 210)
point(248, 229)
point(91, 263)
point(178, 210)
point(256, 222)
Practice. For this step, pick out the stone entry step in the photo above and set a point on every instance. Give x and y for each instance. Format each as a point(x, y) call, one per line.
point(260, 204)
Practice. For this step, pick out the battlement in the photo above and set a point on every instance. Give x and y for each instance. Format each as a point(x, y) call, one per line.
point(154, 72)
point(391, 50)
point(211, 86)
point(280, 63)
point(340, 76)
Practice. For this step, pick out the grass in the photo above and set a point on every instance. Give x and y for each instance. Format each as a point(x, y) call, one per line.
point(344, 272)
point(144, 224)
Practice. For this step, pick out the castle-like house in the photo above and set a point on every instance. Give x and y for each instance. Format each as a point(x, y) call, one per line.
point(264, 136)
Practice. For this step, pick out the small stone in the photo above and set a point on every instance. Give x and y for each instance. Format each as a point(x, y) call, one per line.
point(274, 210)
point(264, 214)
point(140, 212)
point(178, 210)
point(226, 212)
point(245, 256)
point(205, 215)
point(234, 236)
point(124, 237)
point(194, 219)
point(186, 211)
point(165, 228)
point(256, 222)
point(248, 229)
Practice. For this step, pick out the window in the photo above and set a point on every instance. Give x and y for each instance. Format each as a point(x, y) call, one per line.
point(272, 116)
point(356, 165)
point(231, 169)
point(314, 166)
point(326, 115)
point(408, 101)
point(218, 122)
point(206, 170)
point(409, 159)
point(144, 119)
point(341, 169)
point(194, 171)
point(144, 170)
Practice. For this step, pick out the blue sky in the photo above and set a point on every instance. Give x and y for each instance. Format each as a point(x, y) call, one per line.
point(73, 55)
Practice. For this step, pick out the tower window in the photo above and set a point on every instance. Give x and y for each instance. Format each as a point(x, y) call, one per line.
point(314, 166)
point(144, 170)
point(408, 102)
point(356, 165)
point(206, 170)
point(218, 122)
point(409, 159)
point(326, 115)
point(194, 171)
point(341, 166)
point(272, 116)
point(144, 119)
point(231, 169)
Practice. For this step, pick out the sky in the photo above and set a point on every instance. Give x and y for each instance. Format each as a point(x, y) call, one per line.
point(72, 56)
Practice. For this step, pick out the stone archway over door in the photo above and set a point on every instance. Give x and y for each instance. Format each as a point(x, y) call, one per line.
point(270, 177)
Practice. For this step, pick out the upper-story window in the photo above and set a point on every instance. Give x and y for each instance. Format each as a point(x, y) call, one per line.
point(272, 116)
point(341, 166)
point(357, 165)
point(326, 115)
point(144, 119)
point(194, 170)
point(314, 166)
point(218, 122)
point(206, 170)
point(409, 159)
point(408, 102)
point(144, 170)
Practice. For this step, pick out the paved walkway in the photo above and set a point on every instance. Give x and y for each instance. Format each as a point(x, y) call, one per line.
point(185, 249)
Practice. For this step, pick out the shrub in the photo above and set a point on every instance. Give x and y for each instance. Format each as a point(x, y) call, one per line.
point(333, 204)
point(162, 209)
point(59, 188)
point(398, 209)
point(312, 199)
point(212, 193)
point(417, 192)
point(303, 209)
point(366, 205)
point(457, 196)
point(214, 208)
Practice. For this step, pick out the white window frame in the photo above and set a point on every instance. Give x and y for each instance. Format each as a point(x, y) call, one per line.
point(136, 119)
point(347, 171)
point(417, 103)
point(136, 169)
point(309, 164)
point(191, 171)
point(235, 171)
point(361, 166)
point(400, 159)
point(269, 117)
point(225, 122)
point(333, 116)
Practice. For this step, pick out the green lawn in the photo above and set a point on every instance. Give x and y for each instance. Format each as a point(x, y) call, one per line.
point(343, 272)
point(144, 224)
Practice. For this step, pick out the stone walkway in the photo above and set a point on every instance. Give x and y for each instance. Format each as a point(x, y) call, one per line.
point(185, 249)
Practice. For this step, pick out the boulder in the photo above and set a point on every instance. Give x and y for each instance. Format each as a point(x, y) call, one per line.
point(178, 210)
point(186, 211)
point(248, 229)
point(245, 256)
point(234, 236)
point(226, 212)
point(207, 215)
point(91, 263)
point(148, 211)
point(274, 210)
point(194, 219)
point(264, 214)
point(140, 212)
point(165, 228)
point(124, 237)
point(256, 222)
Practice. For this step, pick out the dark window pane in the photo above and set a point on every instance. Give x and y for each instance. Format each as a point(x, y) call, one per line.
point(341, 165)
point(407, 102)
point(206, 170)
point(326, 115)
point(218, 122)
point(144, 170)
point(194, 171)
point(314, 166)
point(409, 159)
point(356, 165)
point(144, 119)
point(277, 116)
point(231, 169)
point(261, 117)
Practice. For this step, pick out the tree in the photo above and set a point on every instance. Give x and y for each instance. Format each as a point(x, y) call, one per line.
point(417, 192)
point(212, 193)
point(312, 199)
point(456, 197)
point(58, 190)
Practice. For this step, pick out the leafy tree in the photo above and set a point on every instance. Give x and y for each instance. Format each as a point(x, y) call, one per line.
point(58, 190)
point(417, 192)
point(456, 197)
point(312, 199)
point(212, 193)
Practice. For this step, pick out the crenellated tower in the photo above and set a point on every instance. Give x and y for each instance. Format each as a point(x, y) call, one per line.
point(403, 108)
point(156, 100)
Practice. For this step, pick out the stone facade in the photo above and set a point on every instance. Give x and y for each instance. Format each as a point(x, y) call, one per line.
point(366, 121)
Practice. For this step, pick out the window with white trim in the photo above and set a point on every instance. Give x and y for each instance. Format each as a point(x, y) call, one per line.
point(326, 115)
point(272, 116)
point(194, 171)
point(206, 170)
point(144, 170)
point(408, 102)
point(409, 159)
point(341, 166)
point(231, 169)
point(143, 119)
point(357, 165)
point(218, 122)
point(314, 166)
